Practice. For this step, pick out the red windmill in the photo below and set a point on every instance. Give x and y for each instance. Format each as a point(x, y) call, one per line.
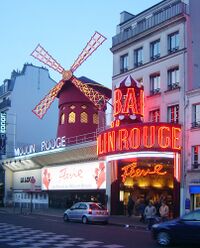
point(79, 99)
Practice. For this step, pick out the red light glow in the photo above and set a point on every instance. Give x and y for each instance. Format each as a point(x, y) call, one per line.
point(143, 136)
point(132, 170)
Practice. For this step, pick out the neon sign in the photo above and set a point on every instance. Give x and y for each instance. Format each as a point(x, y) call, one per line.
point(143, 136)
point(128, 103)
point(128, 133)
point(132, 170)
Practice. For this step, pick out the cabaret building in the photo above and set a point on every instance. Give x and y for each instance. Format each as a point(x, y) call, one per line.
point(143, 159)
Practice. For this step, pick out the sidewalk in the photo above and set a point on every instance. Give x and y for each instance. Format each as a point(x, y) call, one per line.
point(118, 220)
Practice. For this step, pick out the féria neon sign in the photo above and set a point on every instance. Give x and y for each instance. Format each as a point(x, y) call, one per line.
point(133, 171)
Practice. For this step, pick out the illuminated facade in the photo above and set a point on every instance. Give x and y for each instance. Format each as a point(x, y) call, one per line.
point(143, 157)
point(159, 47)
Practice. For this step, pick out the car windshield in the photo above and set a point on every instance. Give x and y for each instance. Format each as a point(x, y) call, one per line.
point(94, 206)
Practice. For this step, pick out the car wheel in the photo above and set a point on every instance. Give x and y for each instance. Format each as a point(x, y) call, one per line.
point(84, 220)
point(65, 217)
point(163, 238)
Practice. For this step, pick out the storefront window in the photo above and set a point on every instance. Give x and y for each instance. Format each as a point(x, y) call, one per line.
point(147, 179)
point(197, 201)
point(195, 156)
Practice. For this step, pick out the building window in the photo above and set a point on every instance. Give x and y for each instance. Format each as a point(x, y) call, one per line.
point(141, 25)
point(72, 117)
point(83, 106)
point(155, 50)
point(195, 156)
point(154, 84)
point(138, 57)
point(173, 114)
point(62, 119)
point(72, 107)
point(124, 63)
point(173, 78)
point(95, 119)
point(154, 116)
point(196, 115)
point(127, 32)
point(173, 42)
point(5, 86)
point(84, 117)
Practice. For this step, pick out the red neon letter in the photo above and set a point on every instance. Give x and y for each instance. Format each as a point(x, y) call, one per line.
point(164, 140)
point(135, 138)
point(99, 145)
point(123, 139)
point(149, 137)
point(130, 102)
point(111, 141)
point(176, 135)
point(105, 142)
point(117, 102)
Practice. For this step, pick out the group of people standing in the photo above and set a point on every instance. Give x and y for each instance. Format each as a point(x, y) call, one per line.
point(149, 212)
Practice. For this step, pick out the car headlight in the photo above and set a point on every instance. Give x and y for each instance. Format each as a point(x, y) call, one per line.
point(155, 225)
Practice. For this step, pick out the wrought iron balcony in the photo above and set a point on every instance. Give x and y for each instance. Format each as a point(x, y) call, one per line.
point(155, 91)
point(164, 15)
point(196, 166)
point(196, 124)
point(173, 86)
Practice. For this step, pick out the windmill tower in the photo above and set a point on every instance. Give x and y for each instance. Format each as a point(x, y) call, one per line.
point(80, 99)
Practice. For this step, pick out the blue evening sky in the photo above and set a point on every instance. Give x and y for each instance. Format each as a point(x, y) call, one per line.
point(62, 27)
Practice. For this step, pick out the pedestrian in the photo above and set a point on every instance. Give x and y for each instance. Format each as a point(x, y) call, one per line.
point(164, 211)
point(141, 210)
point(130, 205)
point(150, 214)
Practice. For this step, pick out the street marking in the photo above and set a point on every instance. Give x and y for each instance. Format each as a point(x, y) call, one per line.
point(22, 237)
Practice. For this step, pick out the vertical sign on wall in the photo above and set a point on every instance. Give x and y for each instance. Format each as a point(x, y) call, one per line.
point(3, 118)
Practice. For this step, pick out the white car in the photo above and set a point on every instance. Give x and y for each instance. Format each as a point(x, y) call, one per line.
point(87, 212)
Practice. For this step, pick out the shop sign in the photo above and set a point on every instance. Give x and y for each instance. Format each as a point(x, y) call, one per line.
point(45, 146)
point(53, 144)
point(128, 133)
point(75, 176)
point(3, 122)
point(130, 103)
point(30, 179)
point(24, 180)
point(133, 170)
point(138, 137)
point(25, 150)
point(3, 117)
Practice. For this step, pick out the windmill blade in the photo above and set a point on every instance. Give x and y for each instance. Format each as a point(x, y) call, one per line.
point(96, 40)
point(41, 109)
point(98, 99)
point(43, 56)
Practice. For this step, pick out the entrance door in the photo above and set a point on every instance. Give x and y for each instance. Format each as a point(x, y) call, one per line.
point(197, 201)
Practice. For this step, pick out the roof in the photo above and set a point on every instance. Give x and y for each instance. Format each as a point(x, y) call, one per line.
point(97, 86)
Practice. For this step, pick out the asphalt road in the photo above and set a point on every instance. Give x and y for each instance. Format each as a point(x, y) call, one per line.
point(35, 231)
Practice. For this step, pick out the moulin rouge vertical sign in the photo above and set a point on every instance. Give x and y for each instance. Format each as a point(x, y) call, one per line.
point(128, 132)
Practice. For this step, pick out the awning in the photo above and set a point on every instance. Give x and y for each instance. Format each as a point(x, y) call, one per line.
point(194, 189)
point(72, 154)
